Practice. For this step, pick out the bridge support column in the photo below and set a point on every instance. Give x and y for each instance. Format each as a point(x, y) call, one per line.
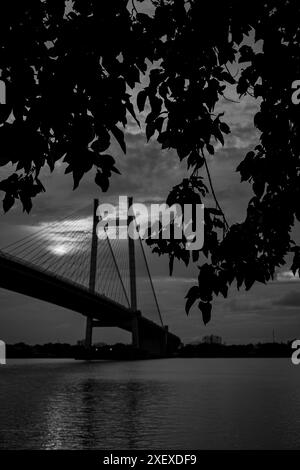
point(165, 347)
point(93, 270)
point(89, 333)
point(132, 274)
point(135, 331)
point(154, 342)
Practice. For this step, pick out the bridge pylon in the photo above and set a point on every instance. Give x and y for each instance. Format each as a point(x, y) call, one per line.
point(93, 271)
point(132, 276)
point(90, 323)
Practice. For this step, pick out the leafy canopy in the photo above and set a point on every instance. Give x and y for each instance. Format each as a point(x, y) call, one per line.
point(68, 72)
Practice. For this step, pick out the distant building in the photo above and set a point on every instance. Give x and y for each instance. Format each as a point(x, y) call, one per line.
point(212, 339)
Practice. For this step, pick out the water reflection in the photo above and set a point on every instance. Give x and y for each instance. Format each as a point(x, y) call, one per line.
point(93, 413)
point(150, 404)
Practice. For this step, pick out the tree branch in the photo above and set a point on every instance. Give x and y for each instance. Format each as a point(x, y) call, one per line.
point(213, 191)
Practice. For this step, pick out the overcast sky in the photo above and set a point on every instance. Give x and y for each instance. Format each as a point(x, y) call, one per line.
point(148, 173)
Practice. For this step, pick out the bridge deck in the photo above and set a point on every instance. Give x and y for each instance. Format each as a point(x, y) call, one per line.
point(25, 278)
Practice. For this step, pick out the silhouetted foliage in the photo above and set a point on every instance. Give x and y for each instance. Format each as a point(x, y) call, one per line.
point(69, 74)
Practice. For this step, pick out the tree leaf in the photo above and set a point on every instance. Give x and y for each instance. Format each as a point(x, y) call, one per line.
point(192, 295)
point(205, 308)
point(119, 135)
point(141, 100)
point(8, 202)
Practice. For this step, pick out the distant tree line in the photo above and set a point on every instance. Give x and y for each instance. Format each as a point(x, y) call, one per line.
point(121, 351)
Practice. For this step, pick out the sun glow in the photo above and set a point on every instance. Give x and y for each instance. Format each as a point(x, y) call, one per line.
point(59, 250)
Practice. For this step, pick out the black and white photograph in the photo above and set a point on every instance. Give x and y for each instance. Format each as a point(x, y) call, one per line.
point(149, 229)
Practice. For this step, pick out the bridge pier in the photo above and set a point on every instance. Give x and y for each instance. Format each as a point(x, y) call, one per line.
point(89, 333)
point(93, 270)
point(133, 297)
point(155, 345)
point(135, 331)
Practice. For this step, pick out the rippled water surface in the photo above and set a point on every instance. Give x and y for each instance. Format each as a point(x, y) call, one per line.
point(170, 403)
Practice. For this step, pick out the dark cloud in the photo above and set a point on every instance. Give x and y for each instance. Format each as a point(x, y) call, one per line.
point(244, 305)
point(291, 299)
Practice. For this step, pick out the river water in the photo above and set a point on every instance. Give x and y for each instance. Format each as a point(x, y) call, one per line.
point(154, 404)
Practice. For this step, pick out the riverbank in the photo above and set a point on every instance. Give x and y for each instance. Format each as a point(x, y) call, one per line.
point(126, 352)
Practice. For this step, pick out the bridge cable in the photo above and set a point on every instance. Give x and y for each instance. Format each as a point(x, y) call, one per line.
point(149, 274)
point(117, 269)
point(43, 229)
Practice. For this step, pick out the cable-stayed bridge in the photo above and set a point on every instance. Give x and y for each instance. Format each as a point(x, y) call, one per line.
point(67, 264)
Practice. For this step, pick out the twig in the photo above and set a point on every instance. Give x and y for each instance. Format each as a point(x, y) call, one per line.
point(213, 191)
point(229, 99)
point(134, 9)
point(229, 72)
